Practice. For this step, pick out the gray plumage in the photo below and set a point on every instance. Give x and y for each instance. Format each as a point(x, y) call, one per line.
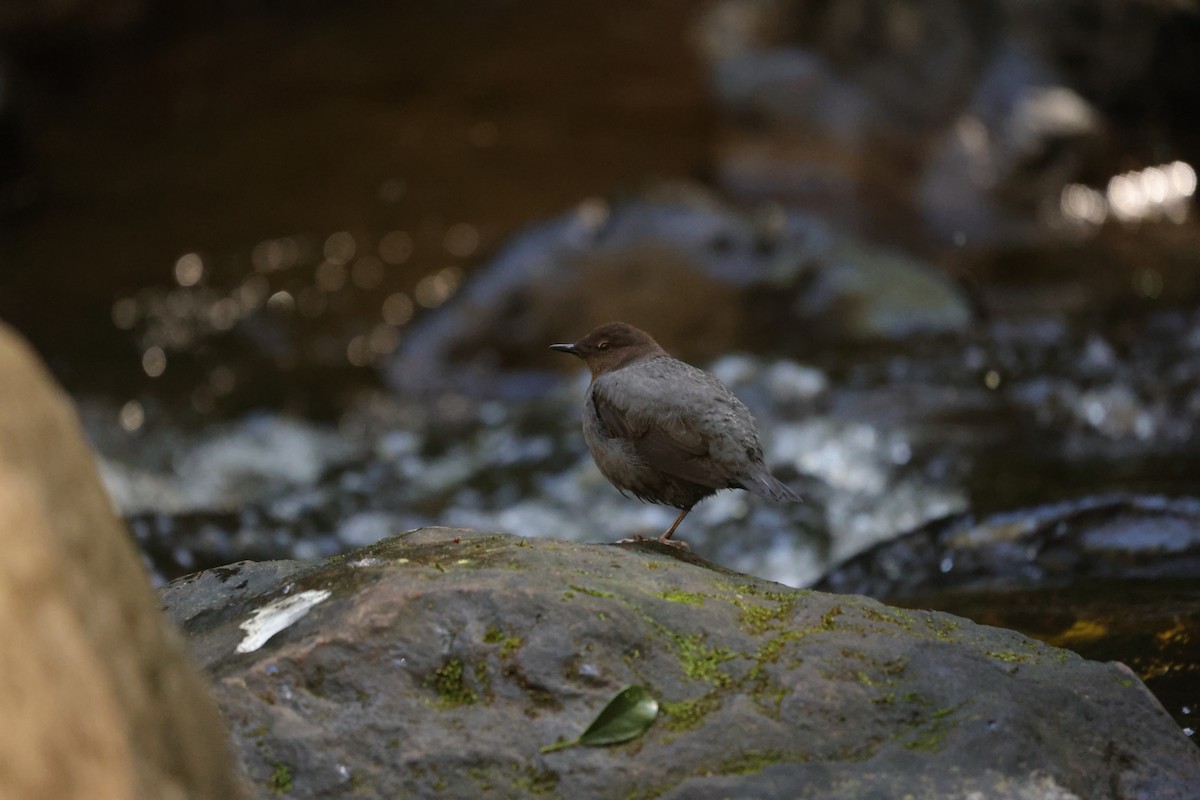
point(663, 430)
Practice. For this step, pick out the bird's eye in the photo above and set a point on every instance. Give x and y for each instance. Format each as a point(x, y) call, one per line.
point(602, 346)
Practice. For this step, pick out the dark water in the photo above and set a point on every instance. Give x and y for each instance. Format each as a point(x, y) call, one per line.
point(1151, 626)
point(448, 125)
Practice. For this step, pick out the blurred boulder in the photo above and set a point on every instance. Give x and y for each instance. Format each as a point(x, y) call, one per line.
point(704, 277)
point(960, 121)
point(97, 695)
point(1105, 537)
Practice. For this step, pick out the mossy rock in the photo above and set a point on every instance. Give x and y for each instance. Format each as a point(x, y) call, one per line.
point(439, 663)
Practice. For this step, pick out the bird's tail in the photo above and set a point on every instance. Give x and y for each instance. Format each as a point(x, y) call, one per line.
point(768, 487)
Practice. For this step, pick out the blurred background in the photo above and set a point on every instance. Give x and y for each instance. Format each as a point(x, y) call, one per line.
point(298, 264)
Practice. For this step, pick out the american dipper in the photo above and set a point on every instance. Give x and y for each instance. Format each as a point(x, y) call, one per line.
point(664, 430)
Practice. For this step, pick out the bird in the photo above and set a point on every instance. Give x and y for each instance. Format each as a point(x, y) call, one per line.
point(663, 430)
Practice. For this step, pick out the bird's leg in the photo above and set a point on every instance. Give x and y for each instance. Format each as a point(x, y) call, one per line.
point(666, 537)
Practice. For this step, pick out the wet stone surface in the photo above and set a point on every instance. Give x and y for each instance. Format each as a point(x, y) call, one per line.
point(1111, 577)
point(1108, 537)
point(442, 661)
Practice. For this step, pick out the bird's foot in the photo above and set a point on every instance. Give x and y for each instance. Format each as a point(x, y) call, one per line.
point(678, 544)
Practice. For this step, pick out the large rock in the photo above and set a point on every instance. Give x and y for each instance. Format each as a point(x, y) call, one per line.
point(440, 662)
point(96, 695)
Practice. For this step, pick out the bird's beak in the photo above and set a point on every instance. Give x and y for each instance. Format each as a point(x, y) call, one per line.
point(565, 348)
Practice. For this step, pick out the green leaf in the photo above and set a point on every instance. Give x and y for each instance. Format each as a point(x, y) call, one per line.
point(627, 716)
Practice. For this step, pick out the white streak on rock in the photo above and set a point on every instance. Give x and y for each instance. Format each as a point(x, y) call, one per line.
point(275, 616)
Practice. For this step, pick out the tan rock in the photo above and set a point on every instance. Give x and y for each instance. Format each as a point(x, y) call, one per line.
point(97, 697)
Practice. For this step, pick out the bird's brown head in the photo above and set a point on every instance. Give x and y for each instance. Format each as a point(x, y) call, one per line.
point(612, 346)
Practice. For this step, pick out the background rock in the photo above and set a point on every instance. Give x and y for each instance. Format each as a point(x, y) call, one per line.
point(938, 121)
point(1114, 536)
point(706, 277)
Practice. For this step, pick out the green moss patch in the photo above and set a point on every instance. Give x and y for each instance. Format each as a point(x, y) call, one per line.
point(592, 592)
point(749, 763)
point(280, 781)
point(450, 684)
point(688, 715)
point(509, 643)
point(758, 619)
point(703, 663)
point(531, 781)
point(680, 596)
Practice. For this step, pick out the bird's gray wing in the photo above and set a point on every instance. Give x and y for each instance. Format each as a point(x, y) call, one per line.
point(667, 442)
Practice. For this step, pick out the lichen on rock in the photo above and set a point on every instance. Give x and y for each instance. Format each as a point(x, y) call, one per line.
point(447, 659)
